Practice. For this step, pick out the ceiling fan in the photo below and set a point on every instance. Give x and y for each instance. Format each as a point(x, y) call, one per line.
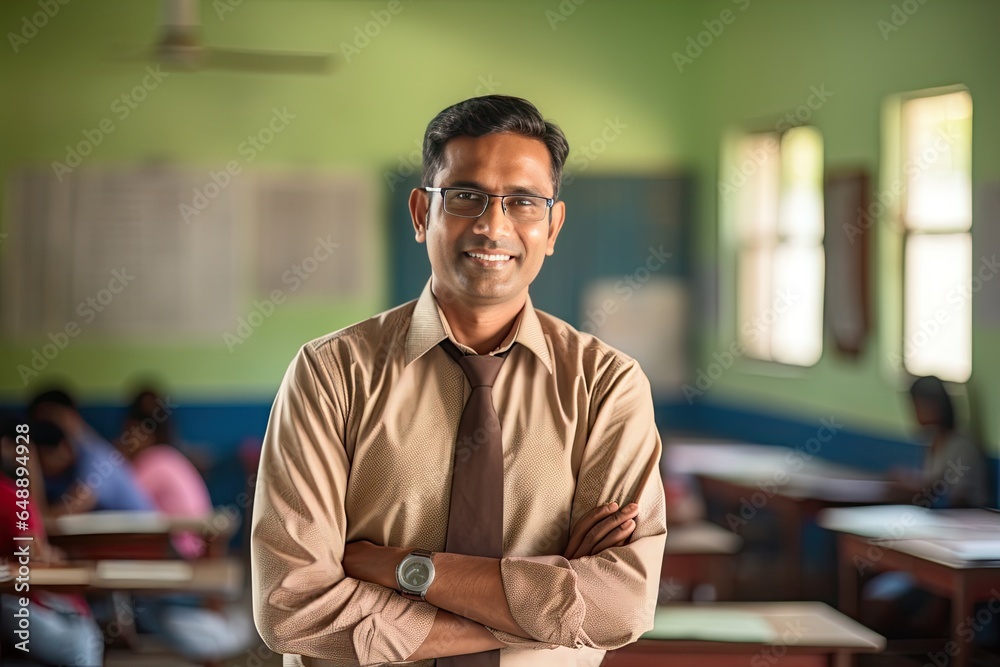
point(180, 48)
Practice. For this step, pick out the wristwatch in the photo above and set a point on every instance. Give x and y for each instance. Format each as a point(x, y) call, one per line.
point(415, 573)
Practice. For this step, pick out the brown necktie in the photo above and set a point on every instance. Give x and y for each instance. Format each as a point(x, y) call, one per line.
point(475, 517)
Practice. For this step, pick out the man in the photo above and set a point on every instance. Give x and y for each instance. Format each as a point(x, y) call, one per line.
point(367, 461)
point(83, 472)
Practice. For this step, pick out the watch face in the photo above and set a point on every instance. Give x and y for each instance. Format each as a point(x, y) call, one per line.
point(415, 574)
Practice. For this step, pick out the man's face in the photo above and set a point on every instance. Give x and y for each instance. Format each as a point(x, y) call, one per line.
point(496, 164)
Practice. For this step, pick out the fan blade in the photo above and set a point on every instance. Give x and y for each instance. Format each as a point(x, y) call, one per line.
point(275, 62)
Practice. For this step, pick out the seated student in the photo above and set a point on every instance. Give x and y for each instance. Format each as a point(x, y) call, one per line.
point(954, 475)
point(83, 472)
point(167, 476)
point(63, 630)
point(954, 472)
point(177, 489)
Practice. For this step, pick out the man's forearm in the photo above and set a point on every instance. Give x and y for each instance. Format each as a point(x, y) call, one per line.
point(468, 586)
point(454, 635)
point(471, 586)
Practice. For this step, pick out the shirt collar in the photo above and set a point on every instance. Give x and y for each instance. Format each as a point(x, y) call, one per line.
point(428, 327)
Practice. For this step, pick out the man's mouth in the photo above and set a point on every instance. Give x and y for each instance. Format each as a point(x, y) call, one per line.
point(489, 257)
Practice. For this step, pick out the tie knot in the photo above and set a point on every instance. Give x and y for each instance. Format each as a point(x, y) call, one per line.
point(480, 369)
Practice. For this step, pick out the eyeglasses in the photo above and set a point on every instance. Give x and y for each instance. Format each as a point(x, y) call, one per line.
point(465, 203)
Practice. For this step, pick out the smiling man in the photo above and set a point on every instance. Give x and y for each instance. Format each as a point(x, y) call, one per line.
point(463, 479)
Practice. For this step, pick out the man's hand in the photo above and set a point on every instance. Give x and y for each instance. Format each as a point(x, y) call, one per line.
point(601, 528)
point(65, 418)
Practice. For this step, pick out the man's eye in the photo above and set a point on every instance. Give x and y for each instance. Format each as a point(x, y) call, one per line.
point(468, 196)
point(526, 202)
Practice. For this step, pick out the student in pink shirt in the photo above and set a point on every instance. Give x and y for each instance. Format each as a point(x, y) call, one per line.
point(177, 489)
point(167, 476)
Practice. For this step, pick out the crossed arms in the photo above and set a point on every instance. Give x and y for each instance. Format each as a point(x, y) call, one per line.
point(468, 590)
point(315, 594)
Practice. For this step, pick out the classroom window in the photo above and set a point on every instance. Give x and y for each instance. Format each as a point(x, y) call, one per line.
point(780, 261)
point(936, 219)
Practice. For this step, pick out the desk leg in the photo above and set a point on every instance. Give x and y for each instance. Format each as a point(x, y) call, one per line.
point(848, 580)
point(962, 606)
point(843, 659)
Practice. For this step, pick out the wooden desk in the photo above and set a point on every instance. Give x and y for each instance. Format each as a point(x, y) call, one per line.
point(795, 485)
point(701, 552)
point(223, 575)
point(776, 634)
point(134, 535)
point(954, 553)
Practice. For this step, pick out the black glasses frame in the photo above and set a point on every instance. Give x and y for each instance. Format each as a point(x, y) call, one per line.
point(549, 202)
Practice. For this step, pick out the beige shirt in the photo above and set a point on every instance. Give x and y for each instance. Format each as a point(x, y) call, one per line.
point(360, 446)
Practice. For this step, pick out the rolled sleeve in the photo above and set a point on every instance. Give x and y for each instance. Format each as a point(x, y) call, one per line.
point(606, 600)
point(303, 603)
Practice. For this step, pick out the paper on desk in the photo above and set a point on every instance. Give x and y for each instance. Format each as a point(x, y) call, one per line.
point(144, 569)
point(60, 576)
point(966, 550)
point(717, 625)
point(111, 522)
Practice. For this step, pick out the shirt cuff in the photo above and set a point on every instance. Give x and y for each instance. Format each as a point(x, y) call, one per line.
point(395, 632)
point(543, 598)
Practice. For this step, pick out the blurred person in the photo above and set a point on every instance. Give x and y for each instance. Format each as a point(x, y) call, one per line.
point(358, 555)
point(83, 472)
point(954, 475)
point(63, 630)
point(171, 481)
point(177, 489)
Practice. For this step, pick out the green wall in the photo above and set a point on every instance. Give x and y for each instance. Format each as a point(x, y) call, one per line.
point(606, 60)
point(364, 117)
point(762, 67)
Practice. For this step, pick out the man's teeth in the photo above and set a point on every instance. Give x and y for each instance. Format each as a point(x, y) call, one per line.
point(489, 258)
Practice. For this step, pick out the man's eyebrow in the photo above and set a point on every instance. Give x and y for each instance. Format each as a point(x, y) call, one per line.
point(508, 190)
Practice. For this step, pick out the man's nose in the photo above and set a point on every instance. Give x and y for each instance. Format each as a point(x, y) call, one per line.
point(493, 223)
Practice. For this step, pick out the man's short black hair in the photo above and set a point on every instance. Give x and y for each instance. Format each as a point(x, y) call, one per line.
point(56, 396)
point(492, 114)
point(46, 435)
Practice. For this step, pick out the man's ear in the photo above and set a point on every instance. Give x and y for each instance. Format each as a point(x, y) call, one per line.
point(555, 224)
point(419, 202)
